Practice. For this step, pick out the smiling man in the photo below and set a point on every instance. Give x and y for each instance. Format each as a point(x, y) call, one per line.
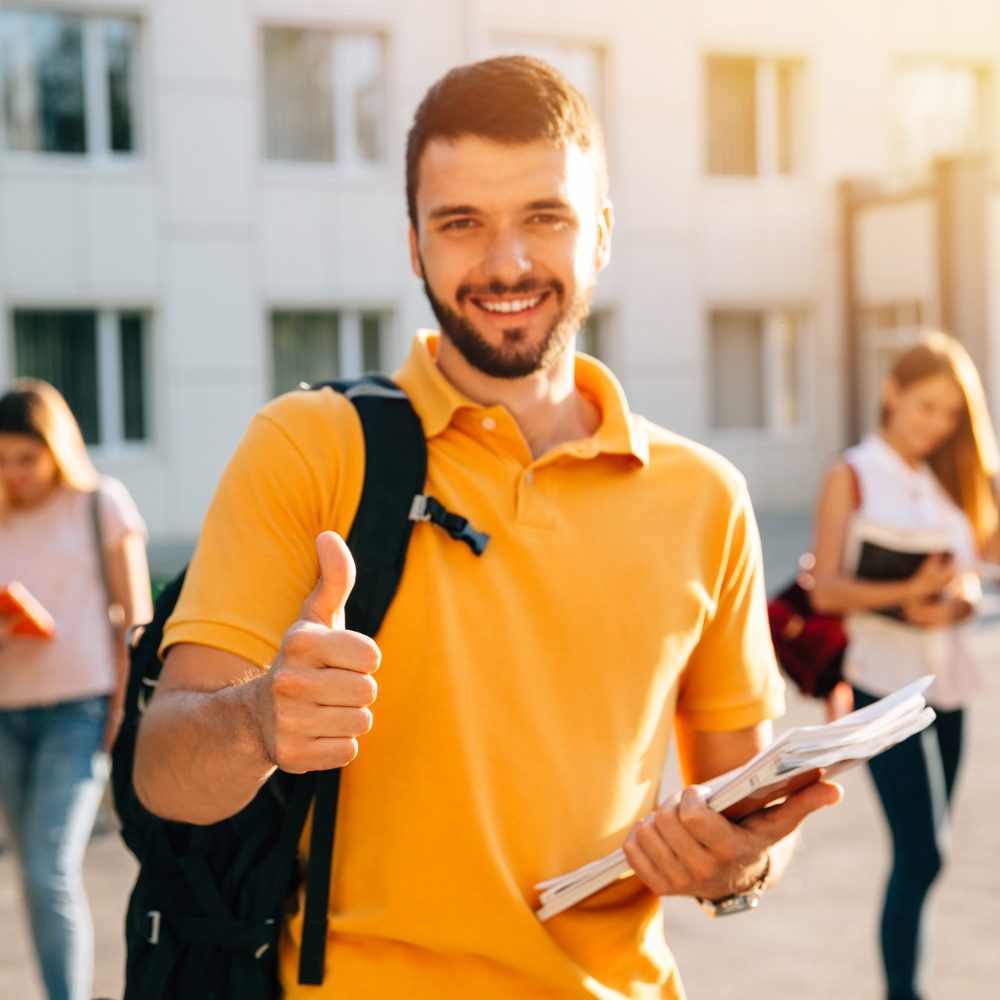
point(526, 698)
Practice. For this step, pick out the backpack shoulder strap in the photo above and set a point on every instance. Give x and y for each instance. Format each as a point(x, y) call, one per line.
point(395, 472)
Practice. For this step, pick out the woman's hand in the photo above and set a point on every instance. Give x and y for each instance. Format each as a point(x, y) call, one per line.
point(934, 614)
point(935, 573)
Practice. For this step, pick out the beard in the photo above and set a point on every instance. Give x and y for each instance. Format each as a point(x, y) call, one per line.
point(515, 357)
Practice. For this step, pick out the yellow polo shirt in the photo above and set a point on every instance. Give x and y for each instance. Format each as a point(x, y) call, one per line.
point(525, 697)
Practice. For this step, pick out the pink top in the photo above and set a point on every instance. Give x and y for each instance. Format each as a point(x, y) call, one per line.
point(52, 550)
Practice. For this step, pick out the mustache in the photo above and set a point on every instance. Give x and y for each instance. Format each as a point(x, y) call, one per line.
point(528, 286)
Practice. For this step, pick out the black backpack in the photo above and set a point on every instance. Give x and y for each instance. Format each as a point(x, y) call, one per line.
point(206, 911)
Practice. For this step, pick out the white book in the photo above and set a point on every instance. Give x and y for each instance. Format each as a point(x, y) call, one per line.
point(797, 758)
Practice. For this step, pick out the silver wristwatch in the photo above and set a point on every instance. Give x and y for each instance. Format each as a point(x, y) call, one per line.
point(738, 902)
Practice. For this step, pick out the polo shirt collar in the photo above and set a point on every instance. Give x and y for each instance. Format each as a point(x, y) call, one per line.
point(437, 401)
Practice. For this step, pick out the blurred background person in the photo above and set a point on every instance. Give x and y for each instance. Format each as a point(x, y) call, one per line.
point(928, 468)
point(60, 697)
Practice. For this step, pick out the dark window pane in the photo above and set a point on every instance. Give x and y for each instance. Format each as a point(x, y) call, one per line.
point(61, 347)
point(306, 348)
point(120, 40)
point(731, 126)
point(133, 360)
point(371, 341)
point(41, 77)
point(298, 94)
point(737, 372)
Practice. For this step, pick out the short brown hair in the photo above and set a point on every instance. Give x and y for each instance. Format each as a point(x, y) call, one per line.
point(509, 99)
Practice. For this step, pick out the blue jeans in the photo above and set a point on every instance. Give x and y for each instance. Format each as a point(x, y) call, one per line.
point(915, 781)
point(52, 776)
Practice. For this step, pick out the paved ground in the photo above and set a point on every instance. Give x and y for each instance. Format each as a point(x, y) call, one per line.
point(814, 936)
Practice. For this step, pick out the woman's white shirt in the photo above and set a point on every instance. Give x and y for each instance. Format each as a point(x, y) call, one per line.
point(884, 654)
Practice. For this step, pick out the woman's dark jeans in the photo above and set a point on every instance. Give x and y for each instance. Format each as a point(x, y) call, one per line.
point(915, 781)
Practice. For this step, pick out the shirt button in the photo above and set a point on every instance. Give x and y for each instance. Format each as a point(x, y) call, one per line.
point(529, 477)
point(489, 424)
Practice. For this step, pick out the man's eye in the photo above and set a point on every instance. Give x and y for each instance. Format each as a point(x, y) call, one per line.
point(459, 224)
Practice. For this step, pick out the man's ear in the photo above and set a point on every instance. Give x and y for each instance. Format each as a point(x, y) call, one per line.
point(605, 224)
point(415, 264)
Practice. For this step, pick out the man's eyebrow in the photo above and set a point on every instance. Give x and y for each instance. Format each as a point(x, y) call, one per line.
point(543, 204)
point(445, 211)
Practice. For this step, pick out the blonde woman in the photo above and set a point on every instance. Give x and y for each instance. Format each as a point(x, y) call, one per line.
point(60, 697)
point(929, 469)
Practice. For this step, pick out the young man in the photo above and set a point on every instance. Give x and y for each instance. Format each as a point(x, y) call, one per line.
point(525, 698)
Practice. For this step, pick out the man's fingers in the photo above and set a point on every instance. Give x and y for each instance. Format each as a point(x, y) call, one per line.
point(777, 822)
point(325, 605)
point(318, 754)
point(316, 646)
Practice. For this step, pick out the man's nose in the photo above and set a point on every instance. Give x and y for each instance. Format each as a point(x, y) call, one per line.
point(507, 259)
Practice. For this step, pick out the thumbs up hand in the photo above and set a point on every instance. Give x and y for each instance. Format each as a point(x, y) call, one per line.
point(314, 702)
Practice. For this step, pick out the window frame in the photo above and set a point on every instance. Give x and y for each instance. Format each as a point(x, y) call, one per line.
point(773, 373)
point(96, 94)
point(350, 335)
point(337, 168)
point(986, 79)
point(768, 125)
point(108, 349)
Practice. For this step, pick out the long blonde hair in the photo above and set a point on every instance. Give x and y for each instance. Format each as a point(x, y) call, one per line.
point(37, 410)
point(968, 461)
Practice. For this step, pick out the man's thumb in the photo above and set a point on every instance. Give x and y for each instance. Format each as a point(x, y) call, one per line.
point(325, 605)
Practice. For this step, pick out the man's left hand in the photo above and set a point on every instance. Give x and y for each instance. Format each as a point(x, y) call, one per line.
point(685, 848)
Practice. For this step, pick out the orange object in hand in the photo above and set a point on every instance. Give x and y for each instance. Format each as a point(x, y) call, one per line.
point(26, 613)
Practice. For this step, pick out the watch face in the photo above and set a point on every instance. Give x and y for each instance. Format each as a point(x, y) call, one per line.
point(730, 904)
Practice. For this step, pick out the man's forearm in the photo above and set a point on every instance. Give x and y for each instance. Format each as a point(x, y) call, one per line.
point(199, 757)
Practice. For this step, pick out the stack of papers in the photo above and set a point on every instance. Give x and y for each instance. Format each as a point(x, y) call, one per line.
point(797, 758)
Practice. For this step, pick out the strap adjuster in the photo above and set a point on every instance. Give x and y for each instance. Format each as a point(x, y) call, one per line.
point(426, 508)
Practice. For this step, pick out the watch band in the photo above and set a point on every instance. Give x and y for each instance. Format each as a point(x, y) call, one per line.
point(738, 902)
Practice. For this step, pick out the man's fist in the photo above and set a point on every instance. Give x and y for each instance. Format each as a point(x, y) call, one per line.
point(314, 702)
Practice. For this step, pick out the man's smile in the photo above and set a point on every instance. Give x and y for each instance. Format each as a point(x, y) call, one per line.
point(509, 306)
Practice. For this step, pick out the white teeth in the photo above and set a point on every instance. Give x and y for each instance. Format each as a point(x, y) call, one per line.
point(515, 305)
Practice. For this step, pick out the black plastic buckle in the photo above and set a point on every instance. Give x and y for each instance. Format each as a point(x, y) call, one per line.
point(426, 508)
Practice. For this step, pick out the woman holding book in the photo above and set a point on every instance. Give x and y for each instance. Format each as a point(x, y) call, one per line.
point(901, 522)
point(75, 546)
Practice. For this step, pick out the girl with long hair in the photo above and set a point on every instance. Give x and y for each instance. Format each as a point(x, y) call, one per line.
point(928, 471)
point(76, 542)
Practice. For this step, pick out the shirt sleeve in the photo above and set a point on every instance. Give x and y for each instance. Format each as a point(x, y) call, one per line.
point(118, 513)
point(298, 471)
point(732, 681)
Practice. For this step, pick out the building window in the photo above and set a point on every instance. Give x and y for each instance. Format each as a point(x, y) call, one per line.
point(592, 336)
point(753, 116)
point(97, 360)
point(314, 345)
point(886, 330)
point(939, 109)
point(68, 83)
point(581, 64)
point(324, 96)
point(757, 370)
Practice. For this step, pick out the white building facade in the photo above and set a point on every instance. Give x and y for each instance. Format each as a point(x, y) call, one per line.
point(202, 204)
